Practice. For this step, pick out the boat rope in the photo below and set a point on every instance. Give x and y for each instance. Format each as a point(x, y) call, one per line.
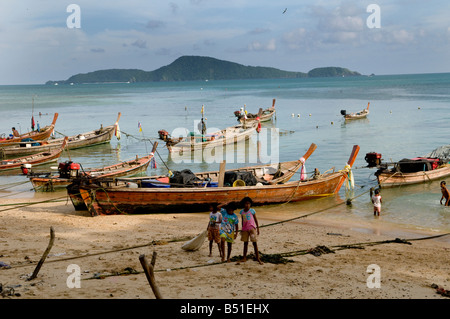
point(6, 186)
point(317, 251)
point(20, 205)
point(149, 140)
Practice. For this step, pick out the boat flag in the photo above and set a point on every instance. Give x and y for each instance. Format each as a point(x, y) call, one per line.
point(32, 123)
point(139, 126)
point(153, 163)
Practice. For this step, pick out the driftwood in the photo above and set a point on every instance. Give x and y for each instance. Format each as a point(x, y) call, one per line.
point(149, 273)
point(44, 256)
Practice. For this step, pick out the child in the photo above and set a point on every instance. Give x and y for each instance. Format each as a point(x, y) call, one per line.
point(250, 228)
point(215, 219)
point(376, 200)
point(228, 229)
point(445, 194)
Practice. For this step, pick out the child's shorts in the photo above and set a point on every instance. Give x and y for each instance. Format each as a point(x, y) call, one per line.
point(249, 234)
point(213, 234)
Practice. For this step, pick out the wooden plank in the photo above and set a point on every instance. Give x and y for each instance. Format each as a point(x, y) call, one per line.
point(222, 173)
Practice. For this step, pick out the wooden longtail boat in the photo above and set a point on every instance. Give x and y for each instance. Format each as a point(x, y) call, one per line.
point(94, 137)
point(42, 134)
point(264, 115)
point(66, 177)
point(35, 159)
point(113, 197)
point(230, 135)
point(356, 115)
point(430, 170)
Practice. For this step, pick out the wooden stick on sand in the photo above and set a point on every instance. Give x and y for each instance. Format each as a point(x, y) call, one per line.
point(148, 269)
point(44, 256)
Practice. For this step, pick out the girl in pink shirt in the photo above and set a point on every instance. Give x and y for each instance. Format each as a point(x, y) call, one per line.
point(250, 228)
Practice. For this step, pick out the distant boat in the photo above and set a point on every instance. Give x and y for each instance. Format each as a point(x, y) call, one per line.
point(114, 197)
point(356, 115)
point(263, 115)
point(69, 172)
point(30, 146)
point(195, 141)
point(35, 159)
point(42, 134)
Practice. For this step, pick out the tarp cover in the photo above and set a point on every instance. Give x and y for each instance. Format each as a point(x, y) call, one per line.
point(184, 178)
point(247, 177)
point(410, 166)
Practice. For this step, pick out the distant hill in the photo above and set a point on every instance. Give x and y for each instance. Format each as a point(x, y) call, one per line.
point(192, 68)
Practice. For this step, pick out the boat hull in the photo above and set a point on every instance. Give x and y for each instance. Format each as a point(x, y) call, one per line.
point(130, 168)
point(125, 200)
point(95, 137)
point(395, 179)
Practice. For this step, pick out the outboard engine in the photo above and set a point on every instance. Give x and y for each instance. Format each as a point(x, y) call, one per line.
point(163, 135)
point(68, 169)
point(373, 159)
point(343, 112)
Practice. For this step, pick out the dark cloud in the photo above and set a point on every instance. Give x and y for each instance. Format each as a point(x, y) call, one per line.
point(154, 24)
point(98, 50)
point(140, 44)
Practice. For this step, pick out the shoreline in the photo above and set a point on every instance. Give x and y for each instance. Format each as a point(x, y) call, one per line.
point(101, 245)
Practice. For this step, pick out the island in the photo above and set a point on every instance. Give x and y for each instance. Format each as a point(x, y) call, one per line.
point(194, 68)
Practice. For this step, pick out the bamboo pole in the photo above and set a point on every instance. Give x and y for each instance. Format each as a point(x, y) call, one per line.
point(149, 273)
point(44, 256)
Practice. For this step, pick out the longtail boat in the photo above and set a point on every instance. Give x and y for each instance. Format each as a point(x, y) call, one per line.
point(356, 115)
point(230, 135)
point(68, 172)
point(263, 115)
point(411, 171)
point(43, 134)
point(94, 137)
point(35, 159)
point(114, 197)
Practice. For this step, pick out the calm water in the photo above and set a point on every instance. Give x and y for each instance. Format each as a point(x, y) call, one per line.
point(409, 116)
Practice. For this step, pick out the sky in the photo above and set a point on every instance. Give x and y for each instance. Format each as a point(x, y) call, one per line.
point(43, 40)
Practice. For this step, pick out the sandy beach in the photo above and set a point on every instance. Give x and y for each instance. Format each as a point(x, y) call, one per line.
point(102, 247)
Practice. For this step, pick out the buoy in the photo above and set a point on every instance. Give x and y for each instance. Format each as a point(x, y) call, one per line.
point(309, 114)
point(292, 114)
point(298, 115)
point(331, 123)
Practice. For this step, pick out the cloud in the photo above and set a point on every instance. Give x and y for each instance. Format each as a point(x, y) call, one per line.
point(258, 46)
point(154, 24)
point(141, 44)
point(295, 39)
point(98, 50)
point(259, 31)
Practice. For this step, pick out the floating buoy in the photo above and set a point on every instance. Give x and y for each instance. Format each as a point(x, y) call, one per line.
point(309, 114)
point(292, 114)
point(298, 115)
point(331, 123)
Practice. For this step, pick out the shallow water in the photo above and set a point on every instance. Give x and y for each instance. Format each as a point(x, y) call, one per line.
point(409, 116)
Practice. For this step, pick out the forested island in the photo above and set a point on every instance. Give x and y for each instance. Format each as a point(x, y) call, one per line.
point(194, 68)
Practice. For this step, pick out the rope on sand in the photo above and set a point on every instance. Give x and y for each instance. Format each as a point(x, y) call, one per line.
point(279, 258)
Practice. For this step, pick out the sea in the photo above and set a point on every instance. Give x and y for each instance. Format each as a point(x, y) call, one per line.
point(409, 117)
